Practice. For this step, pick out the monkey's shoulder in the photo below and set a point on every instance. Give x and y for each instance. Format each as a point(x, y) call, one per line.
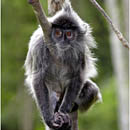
point(37, 44)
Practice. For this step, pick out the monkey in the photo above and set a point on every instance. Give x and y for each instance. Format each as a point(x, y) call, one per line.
point(60, 81)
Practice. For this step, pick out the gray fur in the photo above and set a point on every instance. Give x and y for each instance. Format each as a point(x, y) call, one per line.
point(46, 77)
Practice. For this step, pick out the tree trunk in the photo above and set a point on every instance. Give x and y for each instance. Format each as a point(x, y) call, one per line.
point(121, 71)
point(74, 118)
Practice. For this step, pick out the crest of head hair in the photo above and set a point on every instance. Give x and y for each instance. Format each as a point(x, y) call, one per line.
point(67, 6)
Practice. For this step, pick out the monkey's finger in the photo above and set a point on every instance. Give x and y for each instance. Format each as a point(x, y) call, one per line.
point(56, 125)
point(65, 118)
point(58, 117)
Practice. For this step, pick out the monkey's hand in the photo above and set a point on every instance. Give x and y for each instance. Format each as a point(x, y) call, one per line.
point(62, 121)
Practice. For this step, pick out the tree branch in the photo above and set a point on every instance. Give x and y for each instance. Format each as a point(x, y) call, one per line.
point(115, 29)
point(41, 16)
point(74, 118)
point(54, 6)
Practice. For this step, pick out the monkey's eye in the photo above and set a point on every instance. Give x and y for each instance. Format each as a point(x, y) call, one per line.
point(58, 33)
point(69, 34)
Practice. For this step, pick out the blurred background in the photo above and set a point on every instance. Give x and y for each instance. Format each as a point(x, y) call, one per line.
point(19, 111)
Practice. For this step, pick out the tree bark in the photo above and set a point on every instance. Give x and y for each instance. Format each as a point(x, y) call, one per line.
point(74, 118)
point(121, 71)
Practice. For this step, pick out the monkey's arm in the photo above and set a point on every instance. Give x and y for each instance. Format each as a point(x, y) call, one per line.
point(36, 66)
point(42, 97)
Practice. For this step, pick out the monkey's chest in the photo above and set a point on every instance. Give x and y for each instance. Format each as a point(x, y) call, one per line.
point(58, 77)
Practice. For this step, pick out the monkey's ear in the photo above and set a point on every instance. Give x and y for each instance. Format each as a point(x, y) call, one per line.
point(85, 27)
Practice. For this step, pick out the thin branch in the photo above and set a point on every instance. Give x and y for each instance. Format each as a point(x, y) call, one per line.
point(115, 29)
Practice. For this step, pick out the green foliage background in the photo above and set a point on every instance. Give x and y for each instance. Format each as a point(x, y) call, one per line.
point(18, 23)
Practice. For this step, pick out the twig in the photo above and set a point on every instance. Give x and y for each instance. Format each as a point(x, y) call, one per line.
point(115, 29)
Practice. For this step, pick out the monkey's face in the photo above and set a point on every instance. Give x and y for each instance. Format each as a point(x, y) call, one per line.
point(65, 33)
point(64, 37)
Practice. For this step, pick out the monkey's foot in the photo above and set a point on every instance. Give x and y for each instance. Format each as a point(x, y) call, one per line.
point(62, 121)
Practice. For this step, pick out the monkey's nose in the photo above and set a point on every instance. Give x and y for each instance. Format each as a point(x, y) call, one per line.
point(65, 38)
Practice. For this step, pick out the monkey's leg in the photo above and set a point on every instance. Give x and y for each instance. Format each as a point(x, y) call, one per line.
point(70, 95)
point(55, 101)
point(89, 94)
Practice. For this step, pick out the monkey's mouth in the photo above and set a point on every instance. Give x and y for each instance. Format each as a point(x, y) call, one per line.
point(63, 47)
